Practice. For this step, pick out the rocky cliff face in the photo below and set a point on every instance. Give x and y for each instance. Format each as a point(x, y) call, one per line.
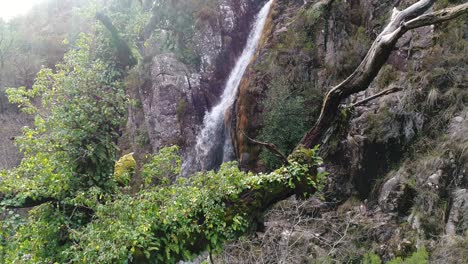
point(397, 164)
point(168, 102)
point(175, 95)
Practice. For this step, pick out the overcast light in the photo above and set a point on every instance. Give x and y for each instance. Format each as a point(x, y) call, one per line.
point(12, 8)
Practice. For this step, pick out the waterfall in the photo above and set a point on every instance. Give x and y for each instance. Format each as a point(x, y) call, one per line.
point(214, 144)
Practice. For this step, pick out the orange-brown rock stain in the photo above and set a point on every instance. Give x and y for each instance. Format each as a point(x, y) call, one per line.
point(248, 103)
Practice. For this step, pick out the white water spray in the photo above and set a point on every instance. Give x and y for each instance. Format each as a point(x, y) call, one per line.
point(214, 145)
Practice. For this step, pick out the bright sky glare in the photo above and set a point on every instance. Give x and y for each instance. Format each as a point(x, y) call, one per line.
point(12, 8)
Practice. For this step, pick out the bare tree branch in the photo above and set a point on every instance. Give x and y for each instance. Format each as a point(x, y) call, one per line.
point(436, 17)
point(270, 147)
point(359, 80)
point(375, 96)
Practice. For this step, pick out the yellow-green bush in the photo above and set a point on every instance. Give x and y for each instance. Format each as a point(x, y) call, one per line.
point(124, 169)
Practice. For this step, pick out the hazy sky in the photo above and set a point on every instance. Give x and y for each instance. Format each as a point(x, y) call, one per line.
point(11, 8)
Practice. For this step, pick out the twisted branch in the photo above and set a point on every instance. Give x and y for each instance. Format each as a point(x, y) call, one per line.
point(400, 23)
point(270, 147)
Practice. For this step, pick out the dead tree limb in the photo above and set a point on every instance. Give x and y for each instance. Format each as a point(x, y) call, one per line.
point(270, 147)
point(400, 23)
point(375, 96)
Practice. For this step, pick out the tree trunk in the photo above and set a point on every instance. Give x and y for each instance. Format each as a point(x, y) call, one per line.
point(359, 80)
point(125, 57)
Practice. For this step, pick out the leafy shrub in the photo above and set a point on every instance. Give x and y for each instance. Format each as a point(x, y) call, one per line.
point(292, 100)
point(353, 54)
point(78, 110)
point(163, 167)
point(285, 120)
point(45, 226)
point(69, 153)
point(9, 222)
point(168, 223)
point(163, 223)
point(421, 256)
point(371, 258)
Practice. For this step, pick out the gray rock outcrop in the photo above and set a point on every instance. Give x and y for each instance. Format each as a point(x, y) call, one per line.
point(175, 95)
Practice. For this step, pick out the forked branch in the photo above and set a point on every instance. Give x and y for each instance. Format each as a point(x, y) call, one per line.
point(270, 147)
point(400, 22)
point(375, 96)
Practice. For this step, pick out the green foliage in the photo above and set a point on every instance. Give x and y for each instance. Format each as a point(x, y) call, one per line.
point(170, 222)
point(353, 53)
point(421, 256)
point(69, 153)
point(10, 221)
point(8, 38)
point(292, 100)
point(174, 24)
point(162, 224)
point(163, 167)
point(72, 143)
point(305, 160)
point(169, 26)
point(371, 258)
point(386, 76)
point(285, 120)
point(376, 123)
point(311, 16)
point(142, 138)
point(128, 18)
point(41, 240)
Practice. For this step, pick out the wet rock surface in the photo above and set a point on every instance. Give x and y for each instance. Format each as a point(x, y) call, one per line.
point(167, 98)
point(174, 95)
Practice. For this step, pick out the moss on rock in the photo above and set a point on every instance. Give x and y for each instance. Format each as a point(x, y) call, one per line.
point(124, 169)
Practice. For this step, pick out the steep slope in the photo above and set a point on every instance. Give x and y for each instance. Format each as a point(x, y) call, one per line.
point(24, 48)
point(397, 164)
point(174, 94)
point(397, 186)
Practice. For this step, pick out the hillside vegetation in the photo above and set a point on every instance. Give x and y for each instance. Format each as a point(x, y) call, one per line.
point(349, 128)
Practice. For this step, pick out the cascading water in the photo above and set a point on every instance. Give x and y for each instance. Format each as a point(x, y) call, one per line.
point(214, 144)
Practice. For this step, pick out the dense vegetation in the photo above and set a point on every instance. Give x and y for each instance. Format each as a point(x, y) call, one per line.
point(293, 100)
point(82, 214)
point(73, 200)
point(79, 209)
